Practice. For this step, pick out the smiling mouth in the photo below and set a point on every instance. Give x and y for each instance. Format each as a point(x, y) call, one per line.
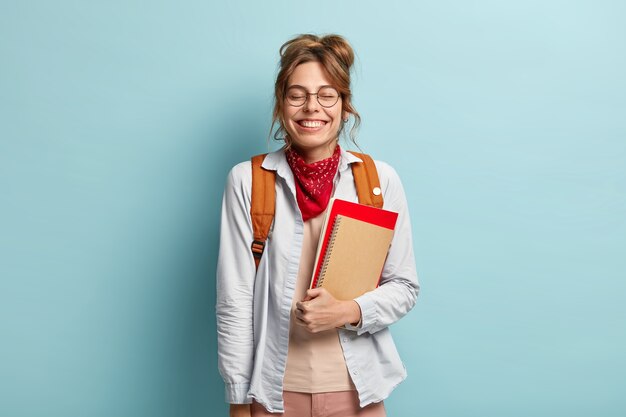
point(311, 123)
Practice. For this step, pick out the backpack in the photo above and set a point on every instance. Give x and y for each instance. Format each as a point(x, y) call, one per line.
point(264, 196)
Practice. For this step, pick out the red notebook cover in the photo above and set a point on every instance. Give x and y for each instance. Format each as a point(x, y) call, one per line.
point(373, 215)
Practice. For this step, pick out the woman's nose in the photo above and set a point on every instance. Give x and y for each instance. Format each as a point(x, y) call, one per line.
point(311, 103)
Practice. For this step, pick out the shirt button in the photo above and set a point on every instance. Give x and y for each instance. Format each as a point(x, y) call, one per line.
point(376, 191)
point(355, 372)
point(345, 339)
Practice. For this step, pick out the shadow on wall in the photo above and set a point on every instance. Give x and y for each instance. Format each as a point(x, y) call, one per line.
point(235, 131)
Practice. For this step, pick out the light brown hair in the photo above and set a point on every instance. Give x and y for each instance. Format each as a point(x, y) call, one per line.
point(335, 54)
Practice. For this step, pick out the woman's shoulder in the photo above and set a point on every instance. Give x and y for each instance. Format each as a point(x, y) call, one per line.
point(384, 169)
point(239, 181)
point(240, 173)
point(390, 183)
point(386, 173)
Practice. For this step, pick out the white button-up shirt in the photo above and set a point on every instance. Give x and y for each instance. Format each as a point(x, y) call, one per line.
point(253, 308)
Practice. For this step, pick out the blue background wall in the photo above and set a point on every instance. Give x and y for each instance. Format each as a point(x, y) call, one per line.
point(119, 121)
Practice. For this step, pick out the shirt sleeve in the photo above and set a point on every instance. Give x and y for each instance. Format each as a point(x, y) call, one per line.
point(397, 293)
point(235, 281)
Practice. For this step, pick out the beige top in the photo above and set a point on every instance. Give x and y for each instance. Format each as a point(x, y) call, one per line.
point(315, 361)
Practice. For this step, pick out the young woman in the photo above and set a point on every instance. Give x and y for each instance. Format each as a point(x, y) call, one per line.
point(284, 348)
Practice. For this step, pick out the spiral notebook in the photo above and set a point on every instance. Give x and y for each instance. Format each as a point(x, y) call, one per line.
point(353, 247)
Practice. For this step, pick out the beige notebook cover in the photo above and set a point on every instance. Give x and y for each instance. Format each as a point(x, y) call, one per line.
point(354, 258)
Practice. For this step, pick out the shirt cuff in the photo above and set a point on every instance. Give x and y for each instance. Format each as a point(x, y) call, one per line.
point(368, 313)
point(350, 326)
point(237, 393)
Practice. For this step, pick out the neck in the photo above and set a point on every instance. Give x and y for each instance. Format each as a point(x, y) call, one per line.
point(316, 154)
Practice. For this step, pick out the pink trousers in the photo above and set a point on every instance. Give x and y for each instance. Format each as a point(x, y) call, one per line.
point(325, 404)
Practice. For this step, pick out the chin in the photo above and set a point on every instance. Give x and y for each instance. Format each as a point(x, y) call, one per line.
point(310, 142)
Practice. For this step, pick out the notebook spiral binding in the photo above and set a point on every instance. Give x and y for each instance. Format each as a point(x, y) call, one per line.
point(328, 251)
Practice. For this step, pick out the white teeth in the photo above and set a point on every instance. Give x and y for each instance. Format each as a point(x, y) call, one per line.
point(309, 123)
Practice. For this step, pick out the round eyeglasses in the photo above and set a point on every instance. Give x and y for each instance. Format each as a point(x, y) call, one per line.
point(327, 96)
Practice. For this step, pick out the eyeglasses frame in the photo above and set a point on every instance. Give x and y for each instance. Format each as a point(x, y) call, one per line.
point(307, 94)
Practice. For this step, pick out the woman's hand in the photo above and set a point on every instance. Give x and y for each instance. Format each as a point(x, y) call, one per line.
point(320, 311)
point(240, 410)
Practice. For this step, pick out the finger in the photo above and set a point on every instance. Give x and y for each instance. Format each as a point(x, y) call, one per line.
point(301, 315)
point(314, 292)
point(312, 329)
point(300, 321)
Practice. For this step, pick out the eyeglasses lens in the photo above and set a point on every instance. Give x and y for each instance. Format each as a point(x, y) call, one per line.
point(326, 96)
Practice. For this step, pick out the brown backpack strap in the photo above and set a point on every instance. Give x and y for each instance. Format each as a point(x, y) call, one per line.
point(366, 181)
point(263, 202)
point(262, 206)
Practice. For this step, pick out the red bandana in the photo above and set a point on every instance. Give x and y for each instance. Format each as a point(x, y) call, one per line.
point(314, 182)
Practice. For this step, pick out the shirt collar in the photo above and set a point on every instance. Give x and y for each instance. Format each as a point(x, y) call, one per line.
point(276, 161)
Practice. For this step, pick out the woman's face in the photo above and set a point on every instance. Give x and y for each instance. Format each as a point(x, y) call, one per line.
point(312, 128)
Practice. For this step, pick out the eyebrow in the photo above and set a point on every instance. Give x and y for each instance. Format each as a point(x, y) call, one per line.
point(301, 86)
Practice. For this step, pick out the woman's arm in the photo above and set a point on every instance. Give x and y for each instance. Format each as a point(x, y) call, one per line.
point(240, 410)
point(399, 286)
point(397, 293)
point(235, 283)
